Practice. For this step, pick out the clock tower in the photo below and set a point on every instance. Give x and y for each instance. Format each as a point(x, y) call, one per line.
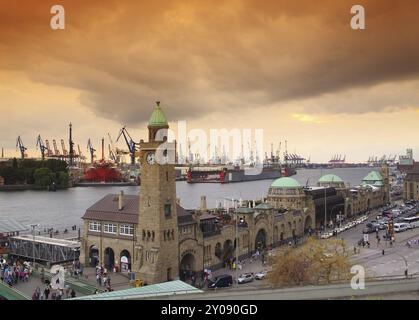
point(157, 233)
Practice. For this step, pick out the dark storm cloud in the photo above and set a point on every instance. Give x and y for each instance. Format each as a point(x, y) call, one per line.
point(200, 57)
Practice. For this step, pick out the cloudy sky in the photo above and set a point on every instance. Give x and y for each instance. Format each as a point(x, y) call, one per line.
point(293, 68)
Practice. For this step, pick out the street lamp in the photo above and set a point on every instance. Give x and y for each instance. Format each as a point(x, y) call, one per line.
point(335, 206)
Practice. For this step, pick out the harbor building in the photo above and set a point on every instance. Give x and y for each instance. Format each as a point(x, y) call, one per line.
point(153, 236)
point(411, 183)
point(331, 200)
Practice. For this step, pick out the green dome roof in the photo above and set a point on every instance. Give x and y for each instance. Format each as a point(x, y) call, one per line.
point(157, 119)
point(285, 182)
point(373, 176)
point(330, 178)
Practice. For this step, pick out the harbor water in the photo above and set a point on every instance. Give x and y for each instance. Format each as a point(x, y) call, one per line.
point(64, 208)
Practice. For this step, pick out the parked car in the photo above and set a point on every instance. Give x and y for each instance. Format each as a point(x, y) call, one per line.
point(400, 227)
point(245, 278)
point(222, 281)
point(261, 275)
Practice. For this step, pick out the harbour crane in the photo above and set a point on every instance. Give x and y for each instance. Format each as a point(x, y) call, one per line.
point(49, 151)
point(114, 153)
point(65, 152)
point(80, 155)
point(56, 151)
point(22, 148)
point(42, 147)
point(91, 150)
point(132, 146)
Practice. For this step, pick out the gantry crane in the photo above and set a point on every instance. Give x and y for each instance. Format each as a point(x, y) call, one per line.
point(49, 151)
point(22, 148)
point(65, 152)
point(132, 146)
point(42, 147)
point(91, 150)
point(56, 151)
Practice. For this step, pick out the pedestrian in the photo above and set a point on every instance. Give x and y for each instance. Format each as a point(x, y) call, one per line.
point(73, 293)
point(383, 252)
point(354, 250)
point(46, 292)
point(67, 290)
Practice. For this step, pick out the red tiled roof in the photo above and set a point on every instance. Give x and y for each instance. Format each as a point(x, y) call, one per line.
point(106, 209)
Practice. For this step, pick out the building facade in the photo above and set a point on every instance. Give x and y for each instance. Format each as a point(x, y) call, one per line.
point(411, 183)
point(153, 236)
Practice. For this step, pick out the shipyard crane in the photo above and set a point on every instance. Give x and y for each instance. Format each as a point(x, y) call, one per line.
point(56, 151)
point(114, 153)
point(42, 147)
point(91, 150)
point(80, 155)
point(65, 152)
point(22, 148)
point(132, 146)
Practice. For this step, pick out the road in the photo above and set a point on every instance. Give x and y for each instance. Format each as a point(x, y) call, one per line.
point(377, 265)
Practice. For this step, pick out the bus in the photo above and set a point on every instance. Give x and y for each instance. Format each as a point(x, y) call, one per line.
point(412, 221)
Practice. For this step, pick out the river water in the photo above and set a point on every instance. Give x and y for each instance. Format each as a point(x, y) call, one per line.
point(64, 208)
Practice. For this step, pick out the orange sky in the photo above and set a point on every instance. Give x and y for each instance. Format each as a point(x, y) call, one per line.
point(294, 68)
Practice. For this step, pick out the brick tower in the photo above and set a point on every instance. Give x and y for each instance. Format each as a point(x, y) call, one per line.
point(157, 233)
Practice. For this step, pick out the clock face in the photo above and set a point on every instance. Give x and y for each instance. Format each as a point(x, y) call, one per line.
point(150, 158)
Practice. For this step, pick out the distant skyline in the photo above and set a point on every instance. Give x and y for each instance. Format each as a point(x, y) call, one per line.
point(293, 68)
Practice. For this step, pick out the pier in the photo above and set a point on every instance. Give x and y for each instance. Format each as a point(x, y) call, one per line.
point(44, 249)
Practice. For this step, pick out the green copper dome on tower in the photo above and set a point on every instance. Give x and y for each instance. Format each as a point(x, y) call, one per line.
point(157, 119)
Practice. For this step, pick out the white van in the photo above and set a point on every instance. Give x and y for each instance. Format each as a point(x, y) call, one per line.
point(400, 227)
point(412, 221)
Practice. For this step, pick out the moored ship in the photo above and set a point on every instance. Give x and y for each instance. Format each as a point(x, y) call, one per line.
point(228, 174)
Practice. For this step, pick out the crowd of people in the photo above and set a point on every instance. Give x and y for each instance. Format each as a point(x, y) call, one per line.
point(14, 271)
point(103, 278)
point(50, 294)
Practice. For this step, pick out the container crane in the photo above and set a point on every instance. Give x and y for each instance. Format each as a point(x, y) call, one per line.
point(91, 150)
point(65, 152)
point(42, 147)
point(22, 148)
point(56, 151)
point(132, 146)
point(49, 151)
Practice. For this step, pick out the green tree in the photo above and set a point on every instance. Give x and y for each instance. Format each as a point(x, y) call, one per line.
point(63, 179)
point(43, 177)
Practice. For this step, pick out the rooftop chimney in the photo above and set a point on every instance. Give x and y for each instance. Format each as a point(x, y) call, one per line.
point(121, 200)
